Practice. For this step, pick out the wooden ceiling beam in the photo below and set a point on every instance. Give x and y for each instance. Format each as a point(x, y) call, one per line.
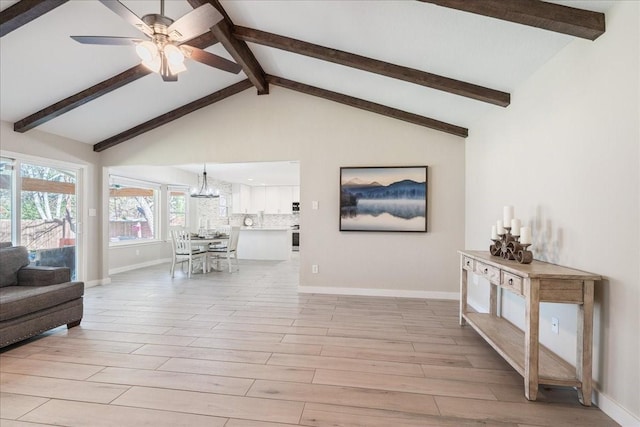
point(238, 49)
point(535, 13)
point(370, 106)
point(410, 75)
point(23, 12)
point(96, 91)
point(173, 115)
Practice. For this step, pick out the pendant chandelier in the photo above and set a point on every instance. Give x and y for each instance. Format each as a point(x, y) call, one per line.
point(204, 191)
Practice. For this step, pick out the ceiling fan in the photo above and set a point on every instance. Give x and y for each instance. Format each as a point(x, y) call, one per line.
point(164, 51)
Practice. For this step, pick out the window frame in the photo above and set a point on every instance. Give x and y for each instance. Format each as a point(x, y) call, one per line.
point(115, 180)
point(178, 189)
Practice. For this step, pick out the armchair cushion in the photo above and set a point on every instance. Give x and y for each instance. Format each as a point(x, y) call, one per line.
point(43, 276)
point(18, 301)
point(12, 259)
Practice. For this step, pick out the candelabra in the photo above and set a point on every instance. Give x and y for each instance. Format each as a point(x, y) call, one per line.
point(508, 246)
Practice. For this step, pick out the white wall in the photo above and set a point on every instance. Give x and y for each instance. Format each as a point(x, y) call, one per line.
point(46, 146)
point(323, 136)
point(565, 153)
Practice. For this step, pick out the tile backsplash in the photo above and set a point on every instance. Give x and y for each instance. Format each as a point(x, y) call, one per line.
point(212, 213)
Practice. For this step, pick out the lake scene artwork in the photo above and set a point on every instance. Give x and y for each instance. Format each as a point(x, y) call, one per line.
point(383, 198)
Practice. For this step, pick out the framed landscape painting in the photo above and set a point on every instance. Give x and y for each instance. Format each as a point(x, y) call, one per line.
point(383, 198)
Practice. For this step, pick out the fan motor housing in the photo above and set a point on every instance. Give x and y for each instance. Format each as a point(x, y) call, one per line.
point(158, 23)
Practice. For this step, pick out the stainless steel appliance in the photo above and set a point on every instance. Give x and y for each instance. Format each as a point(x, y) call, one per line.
point(295, 238)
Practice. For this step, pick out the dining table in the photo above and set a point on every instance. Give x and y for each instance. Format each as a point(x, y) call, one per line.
point(207, 240)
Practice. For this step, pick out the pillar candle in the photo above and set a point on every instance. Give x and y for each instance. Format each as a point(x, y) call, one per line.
point(525, 235)
point(507, 215)
point(515, 227)
point(494, 233)
point(500, 227)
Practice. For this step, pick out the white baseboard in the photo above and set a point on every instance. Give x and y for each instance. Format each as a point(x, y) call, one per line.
point(137, 266)
point(614, 410)
point(398, 293)
point(92, 283)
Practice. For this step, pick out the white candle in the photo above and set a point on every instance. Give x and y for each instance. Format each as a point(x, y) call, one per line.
point(525, 235)
point(507, 215)
point(494, 233)
point(515, 227)
point(500, 227)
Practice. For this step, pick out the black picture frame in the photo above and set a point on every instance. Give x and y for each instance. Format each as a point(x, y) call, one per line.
point(384, 198)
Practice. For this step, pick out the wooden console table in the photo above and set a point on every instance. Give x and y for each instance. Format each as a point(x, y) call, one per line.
point(536, 282)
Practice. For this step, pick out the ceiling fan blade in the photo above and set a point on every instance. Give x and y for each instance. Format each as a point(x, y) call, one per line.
point(115, 41)
point(130, 17)
point(194, 23)
point(211, 60)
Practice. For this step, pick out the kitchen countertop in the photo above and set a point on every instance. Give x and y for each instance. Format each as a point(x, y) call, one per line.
point(265, 228)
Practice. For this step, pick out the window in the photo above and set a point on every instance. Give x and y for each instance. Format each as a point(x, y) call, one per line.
point(6, 200)
point(178, 206)
point(133, 211)
point(38, 210)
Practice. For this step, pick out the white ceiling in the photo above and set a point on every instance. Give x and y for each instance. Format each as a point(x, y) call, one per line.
point(41, 65)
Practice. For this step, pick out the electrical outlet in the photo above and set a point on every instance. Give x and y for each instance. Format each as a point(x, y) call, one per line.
point(555, 325)
point(314, 268)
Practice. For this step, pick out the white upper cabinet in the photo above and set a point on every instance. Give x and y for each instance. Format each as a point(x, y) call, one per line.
point(270, 199)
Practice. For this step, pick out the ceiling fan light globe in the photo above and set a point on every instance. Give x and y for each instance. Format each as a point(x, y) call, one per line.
point(173, 54)
point(147, 51)
point(177, 68)
point(153, 65)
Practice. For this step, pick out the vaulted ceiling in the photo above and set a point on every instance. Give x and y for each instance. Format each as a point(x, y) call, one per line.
point(441, 64)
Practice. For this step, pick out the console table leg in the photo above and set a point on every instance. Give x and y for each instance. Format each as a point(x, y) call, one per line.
point(585, 344)
point(464, 274)
point(531, 339)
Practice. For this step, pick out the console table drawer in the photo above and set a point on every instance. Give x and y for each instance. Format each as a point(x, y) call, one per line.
point(467, 263)
point(488, 271)
point(512, 283)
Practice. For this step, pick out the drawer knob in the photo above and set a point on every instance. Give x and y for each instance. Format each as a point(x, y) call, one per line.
point(486, 270)
point(511, 281)
point(468, 263)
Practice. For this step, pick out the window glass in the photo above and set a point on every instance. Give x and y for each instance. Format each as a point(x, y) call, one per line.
point(132, 211)
point(178, 206)
point(48, 215)
point(6, 199)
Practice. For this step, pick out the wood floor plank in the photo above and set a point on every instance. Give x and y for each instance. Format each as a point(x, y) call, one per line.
point(349, 342)
point(294, 348)
point(59, 388)
point(491, 376)
point(13, 406)
point(212, 404)
point(100, 358)
point(69, 371)
point(106, 335)
point(336, 395)
point(174, 380)
point(396, 356)
point(346, 364)
point(239, 370)
point(296, 330)
point(404, 384)
point(81, 414)
point(204, 353)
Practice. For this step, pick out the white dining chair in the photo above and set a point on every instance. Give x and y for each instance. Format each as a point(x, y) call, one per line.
point(228, 251)
point(184, 252)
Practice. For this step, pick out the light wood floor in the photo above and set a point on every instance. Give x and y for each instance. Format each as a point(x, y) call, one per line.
point(245, 349)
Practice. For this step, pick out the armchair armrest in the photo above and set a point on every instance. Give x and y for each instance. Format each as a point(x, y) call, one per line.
point(43, 276)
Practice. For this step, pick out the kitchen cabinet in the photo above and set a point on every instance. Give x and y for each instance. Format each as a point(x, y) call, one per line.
point(276, 199)
point(241, 199)
point(296, 193)
point(258, 199)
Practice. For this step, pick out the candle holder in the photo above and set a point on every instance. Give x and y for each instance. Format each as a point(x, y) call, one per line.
point(509, 247)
